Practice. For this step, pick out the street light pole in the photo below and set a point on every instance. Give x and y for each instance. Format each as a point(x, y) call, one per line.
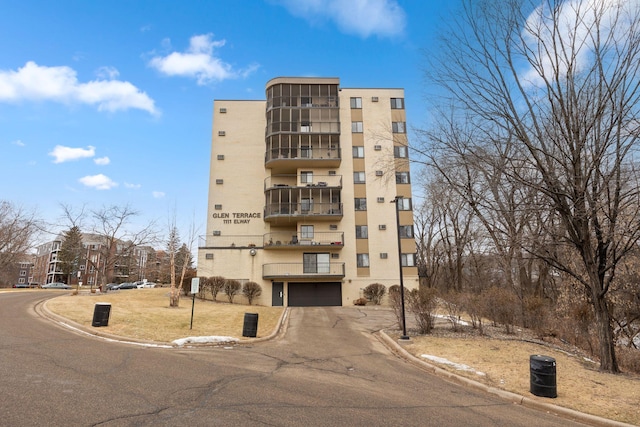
point(404, 335)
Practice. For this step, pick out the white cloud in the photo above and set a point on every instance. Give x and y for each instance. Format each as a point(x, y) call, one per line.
point(60, 84)
point(384, 18)
point(157, 194)
point(573, 25)
point(18, 142)
point(132, 186)
point(107, 73)
point(102, 161)
point(199, 62)
point(99, 182)
point(65, 154)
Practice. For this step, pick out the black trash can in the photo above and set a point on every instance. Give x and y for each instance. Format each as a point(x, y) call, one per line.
point(543, 376)
point(101, 313)
point(250, 327)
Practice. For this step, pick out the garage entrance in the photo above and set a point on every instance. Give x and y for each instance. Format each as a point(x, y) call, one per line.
point(315, 294)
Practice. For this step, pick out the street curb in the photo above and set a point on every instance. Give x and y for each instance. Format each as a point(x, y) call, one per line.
point(42, 309)
point(508, 396)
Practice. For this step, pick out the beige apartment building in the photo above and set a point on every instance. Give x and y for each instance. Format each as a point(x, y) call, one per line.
point(302, 193)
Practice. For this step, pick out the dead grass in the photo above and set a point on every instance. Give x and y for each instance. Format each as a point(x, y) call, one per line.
point(145, 314)
point(580, 385)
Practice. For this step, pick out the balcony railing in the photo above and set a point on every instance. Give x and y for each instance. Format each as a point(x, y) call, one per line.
point(303, 153)
point(303, 127)
point(317, 210)
point(317, 240)
point(243, 241)
point(291, 180)
point(302, 271)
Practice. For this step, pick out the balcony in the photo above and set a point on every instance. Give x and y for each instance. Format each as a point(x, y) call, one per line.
point(280, 213)
point(229, 241)
point(309, 180)
point(284, 240)
point(303, 156)
point(289, 271)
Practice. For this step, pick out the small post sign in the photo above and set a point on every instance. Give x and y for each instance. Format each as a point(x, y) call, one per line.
point(195, 287)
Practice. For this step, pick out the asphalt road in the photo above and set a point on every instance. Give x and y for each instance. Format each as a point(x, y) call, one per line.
point(326, 370)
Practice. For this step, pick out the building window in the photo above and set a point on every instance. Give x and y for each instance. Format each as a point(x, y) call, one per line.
point(358, 152)
point(398, 127)
point(82, 267)
point(316, 263)
point(306, 177)
point(402, 177)
point(221, 133)
point(356, 102)
point(306, 205)
point(217, 207)
point(361, 204)
point(397, 103)
point(363, 260)
point(306, 231)
point(223, 110)
point(21, 280)
point(362, 232)
point(408, 260)
point(208, 256)
point(358, 177)
point(23, 273)
point(406, 231)
point(356, 127)
point(400, 152)
point(404, 204)
point(220, 156)
point(219, 181)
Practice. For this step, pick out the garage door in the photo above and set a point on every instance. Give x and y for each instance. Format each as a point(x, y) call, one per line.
point(315, 294)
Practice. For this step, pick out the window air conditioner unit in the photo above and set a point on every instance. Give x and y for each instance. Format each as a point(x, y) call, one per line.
point(383, 255)
point(223, 110)
point(374, 99)
point(377, 147)
point(382, 227)
point(219, 181)
point(378, 173)
point(220, 156)
point(221, 133)
point(380, 199)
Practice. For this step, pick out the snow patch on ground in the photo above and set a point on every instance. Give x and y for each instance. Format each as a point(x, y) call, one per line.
point(458, 366)
point(203, 340)
point(445, 317)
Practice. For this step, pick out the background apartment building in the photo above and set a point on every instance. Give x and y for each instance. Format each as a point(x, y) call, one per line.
point(129, 263)
point(302, 190)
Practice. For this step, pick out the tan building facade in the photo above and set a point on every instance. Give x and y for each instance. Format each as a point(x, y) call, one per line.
point(302, 193)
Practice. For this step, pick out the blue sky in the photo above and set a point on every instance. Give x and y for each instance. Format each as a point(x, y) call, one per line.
point(110, 102)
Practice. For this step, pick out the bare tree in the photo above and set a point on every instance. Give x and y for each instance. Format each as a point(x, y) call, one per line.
point(117, 242)
point(560, 81)
point(18, 229)
point(180, 259)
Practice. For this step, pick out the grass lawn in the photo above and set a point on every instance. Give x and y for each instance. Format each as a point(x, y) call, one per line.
point(145, 314)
